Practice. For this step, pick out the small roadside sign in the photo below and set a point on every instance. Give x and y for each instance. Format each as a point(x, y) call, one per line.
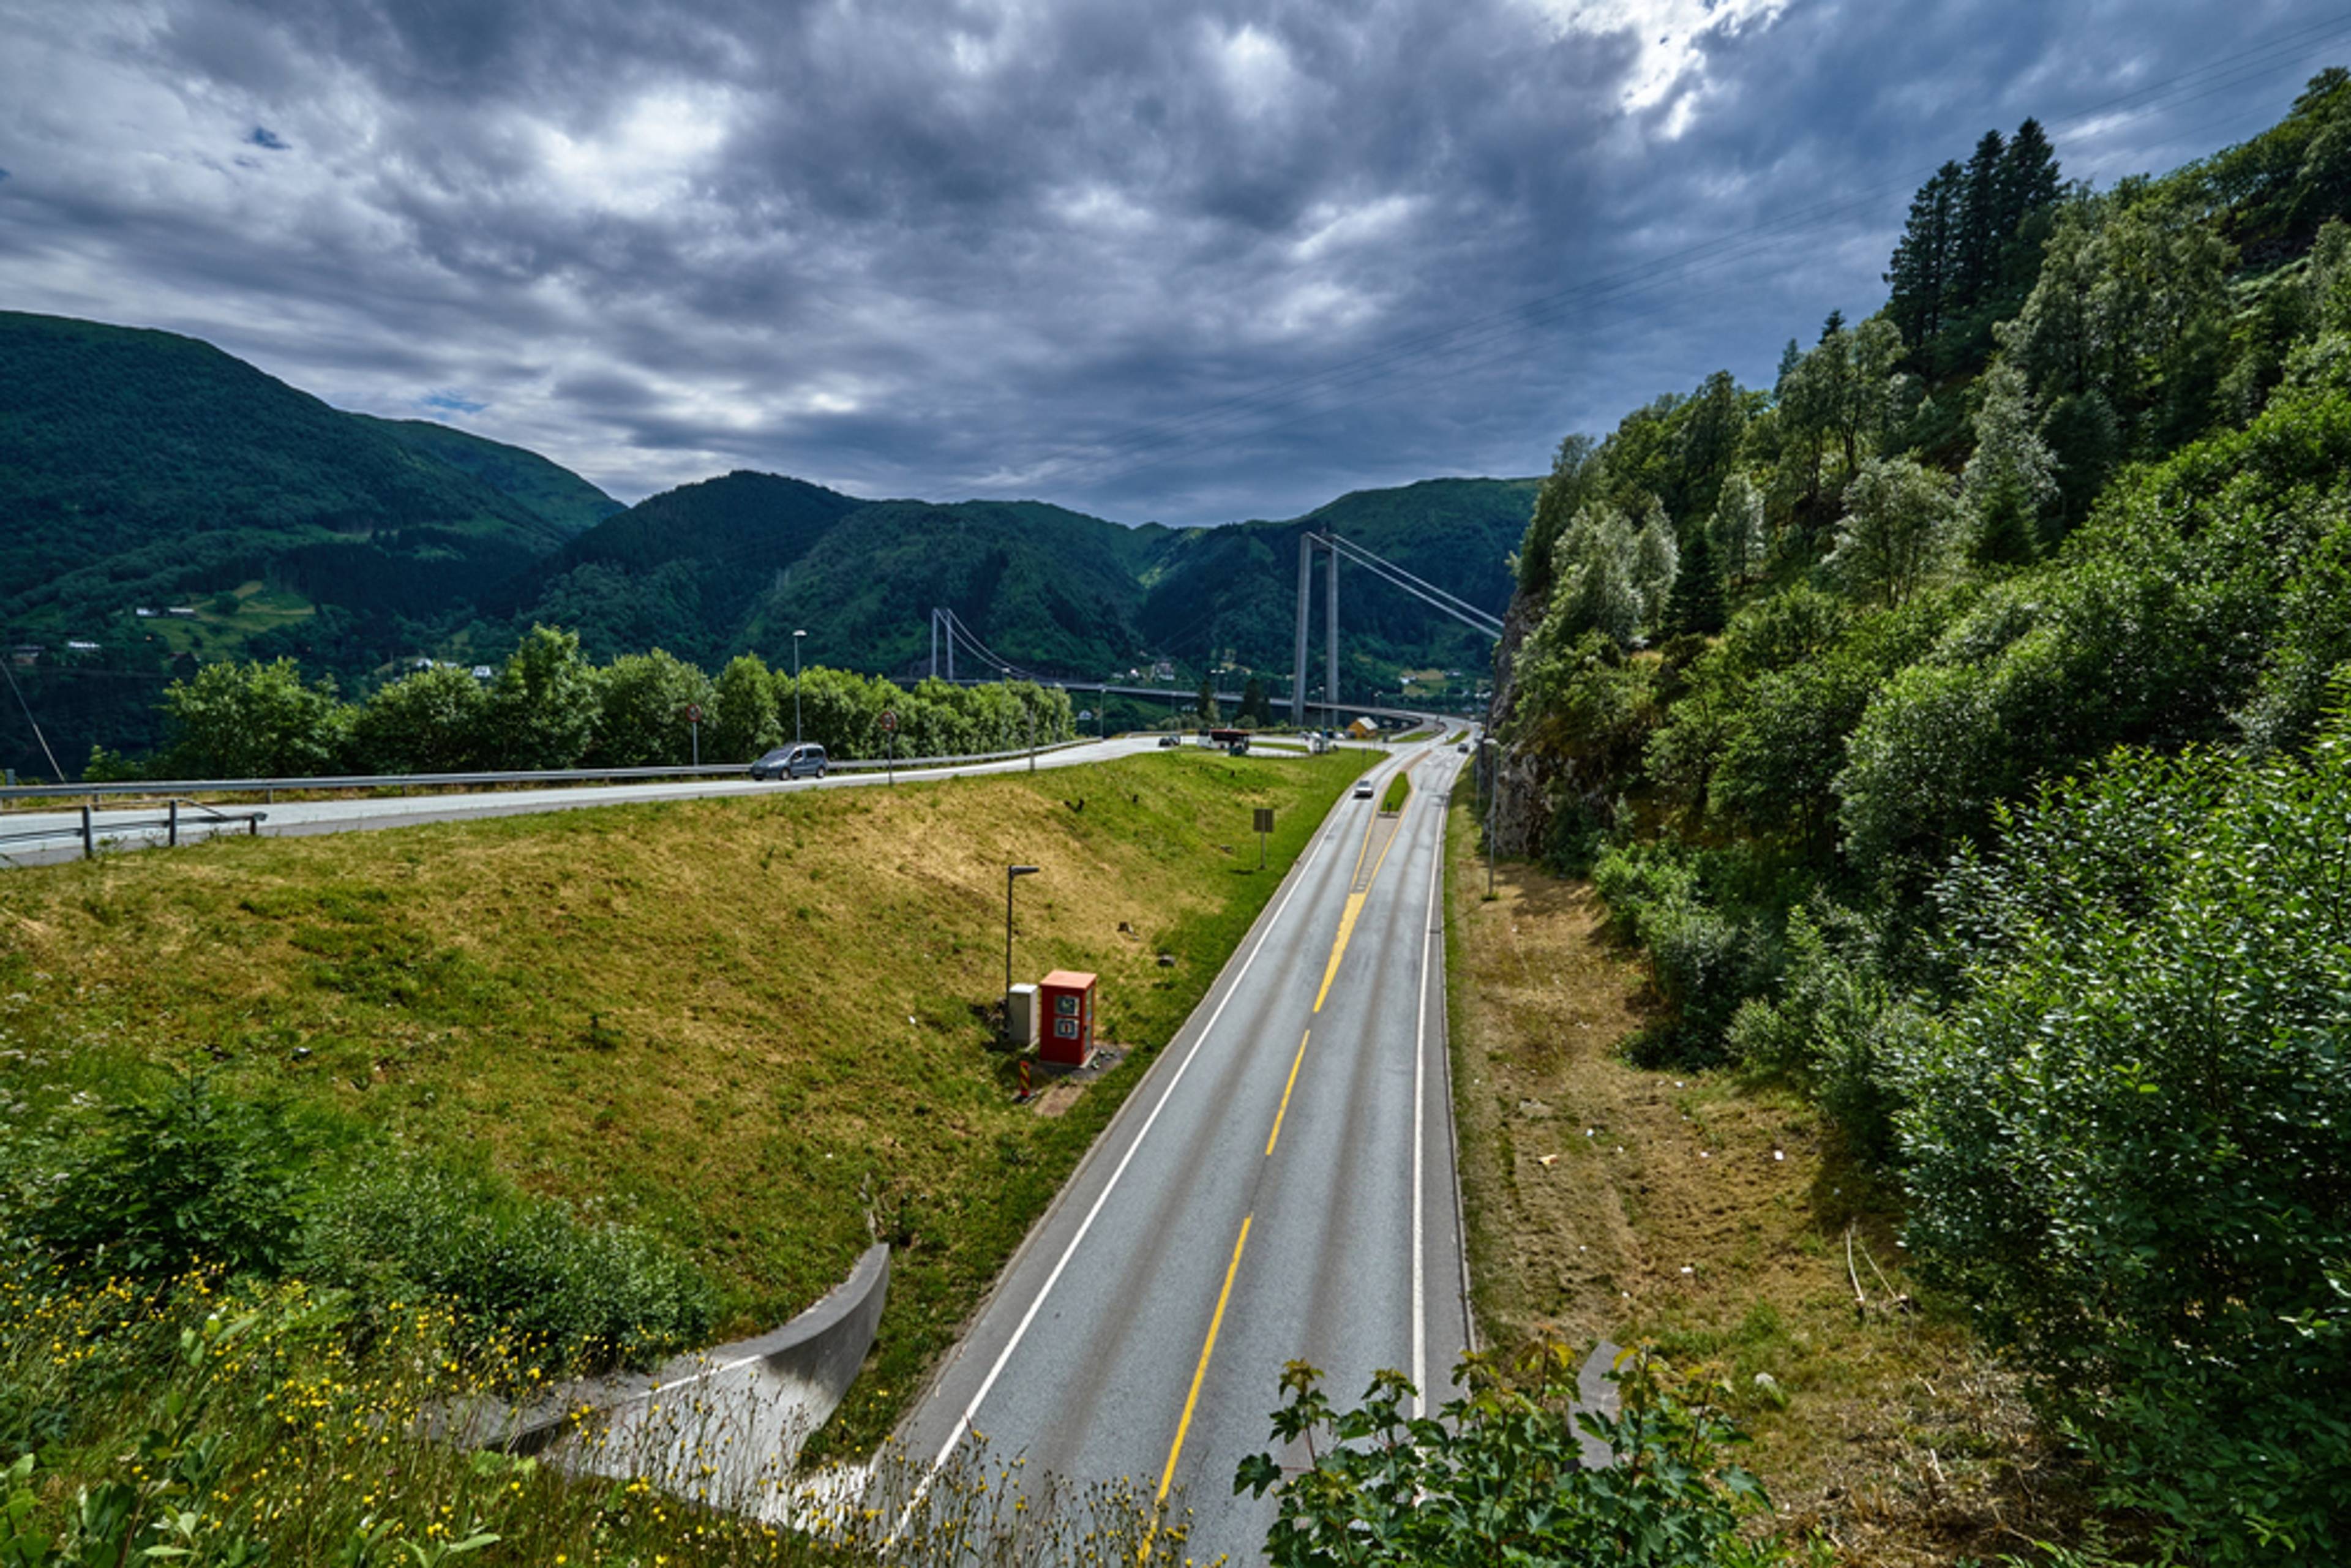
point(1264, 826)
point(1085, 715)
point(694, 713)
point(889, 724)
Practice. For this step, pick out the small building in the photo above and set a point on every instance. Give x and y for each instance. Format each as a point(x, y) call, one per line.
point(77, 645)
point(1363, 730)
point(483, 673)
point(182, 611)
point(146, 614)
point(24, 655)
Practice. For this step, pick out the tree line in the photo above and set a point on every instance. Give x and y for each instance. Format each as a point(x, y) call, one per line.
point(548, 707)
point(1957, 725)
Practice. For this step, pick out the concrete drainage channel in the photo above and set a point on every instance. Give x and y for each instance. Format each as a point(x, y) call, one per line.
point(721, 1427)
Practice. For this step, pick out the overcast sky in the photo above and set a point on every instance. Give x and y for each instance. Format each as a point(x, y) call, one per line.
point(1152, 259)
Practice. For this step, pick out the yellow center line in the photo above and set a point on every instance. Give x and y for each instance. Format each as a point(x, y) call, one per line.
point(1200, 1373)
point(1355, 901)
point(1283, 1109)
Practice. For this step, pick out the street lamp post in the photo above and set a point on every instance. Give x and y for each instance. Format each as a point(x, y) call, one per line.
point(796, 685)
point(1011, 874)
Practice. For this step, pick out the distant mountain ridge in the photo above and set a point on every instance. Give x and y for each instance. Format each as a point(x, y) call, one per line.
point(145, 470)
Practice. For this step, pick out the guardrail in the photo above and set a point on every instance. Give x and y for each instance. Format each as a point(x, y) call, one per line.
point(89, 829)
point(341, 783)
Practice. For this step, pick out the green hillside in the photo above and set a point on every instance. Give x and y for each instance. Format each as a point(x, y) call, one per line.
point(1960, 727)
point(145, 470)
point(139, 467)
point(567, 502)
point(739, 562)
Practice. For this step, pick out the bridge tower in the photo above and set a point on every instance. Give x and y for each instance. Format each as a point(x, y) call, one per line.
point(1307, 545)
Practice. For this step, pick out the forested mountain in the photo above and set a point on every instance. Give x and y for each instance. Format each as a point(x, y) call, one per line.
point(1959, 725)
point(143, 470)
point(569, 503)
point(139, 467)
point(738, 563)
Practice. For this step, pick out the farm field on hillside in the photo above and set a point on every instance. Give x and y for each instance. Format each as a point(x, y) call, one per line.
point(758, 1029)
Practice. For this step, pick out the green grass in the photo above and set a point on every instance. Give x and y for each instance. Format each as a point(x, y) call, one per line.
point(755, 1028)
point(1399, 788)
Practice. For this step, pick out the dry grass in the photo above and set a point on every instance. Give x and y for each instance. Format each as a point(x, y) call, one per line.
point(757, 1027)
point(1710, 1216)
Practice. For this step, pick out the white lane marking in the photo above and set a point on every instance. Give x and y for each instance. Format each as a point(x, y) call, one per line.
point(963, 1422)
point(1420, 1079)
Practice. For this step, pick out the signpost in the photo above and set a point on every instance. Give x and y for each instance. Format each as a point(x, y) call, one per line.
point(693, 724)
point(890, 734)
point(1264, 826)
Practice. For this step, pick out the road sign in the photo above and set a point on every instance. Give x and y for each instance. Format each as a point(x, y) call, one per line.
point(889, 724)
point(1085, 715)
point(1264, 820)
point(694, 713)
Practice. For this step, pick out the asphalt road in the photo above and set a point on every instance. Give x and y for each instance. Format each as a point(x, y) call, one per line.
point(1282, 1186)
point(362, 813)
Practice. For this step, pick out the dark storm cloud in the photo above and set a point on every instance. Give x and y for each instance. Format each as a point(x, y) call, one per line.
point(1181, 262)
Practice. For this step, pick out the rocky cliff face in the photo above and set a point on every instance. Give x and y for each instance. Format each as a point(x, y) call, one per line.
point(1522, 812)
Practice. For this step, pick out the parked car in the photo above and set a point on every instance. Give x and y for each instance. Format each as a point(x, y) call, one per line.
point(1167, 742)
point(791, 762)
point(1363, 788)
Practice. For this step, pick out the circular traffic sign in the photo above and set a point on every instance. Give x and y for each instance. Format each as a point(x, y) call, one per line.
point(889, 723)
point(694, 713)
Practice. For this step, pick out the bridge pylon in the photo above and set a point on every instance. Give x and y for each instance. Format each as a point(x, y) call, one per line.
point(1308, 544)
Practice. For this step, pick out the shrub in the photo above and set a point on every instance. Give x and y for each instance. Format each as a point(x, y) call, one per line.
point(591, 1294)
point(2128, 1141)
point(188, 1175)
point(1498, 1474)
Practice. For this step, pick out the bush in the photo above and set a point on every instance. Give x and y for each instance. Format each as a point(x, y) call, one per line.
point(590, 1294)
point(1703, 961)
point(2127, 1142)
point(196, 1178)
point(1498, 1474)
point(188, 1176)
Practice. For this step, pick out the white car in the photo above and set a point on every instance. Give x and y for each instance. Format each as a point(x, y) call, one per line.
point(1363, 788)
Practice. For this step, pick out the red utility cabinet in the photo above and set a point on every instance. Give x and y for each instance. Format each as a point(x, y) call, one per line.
point(1067, 999)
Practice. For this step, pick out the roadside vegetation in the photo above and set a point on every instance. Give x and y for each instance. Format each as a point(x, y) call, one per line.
point(591, 1086)
point(548, 707)
point(1399, 788)
point(1945, 731)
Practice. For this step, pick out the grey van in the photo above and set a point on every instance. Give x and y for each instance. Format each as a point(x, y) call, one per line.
point(791, 762)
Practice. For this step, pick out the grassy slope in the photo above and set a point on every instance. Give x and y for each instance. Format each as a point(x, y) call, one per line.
point(748, 1024)
point(1898, 1436)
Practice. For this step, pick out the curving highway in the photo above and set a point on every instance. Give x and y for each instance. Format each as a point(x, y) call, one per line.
point(1280, 1186)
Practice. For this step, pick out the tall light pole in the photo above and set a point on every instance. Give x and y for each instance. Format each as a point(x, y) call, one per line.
point(796, 685)
point(1011, 874)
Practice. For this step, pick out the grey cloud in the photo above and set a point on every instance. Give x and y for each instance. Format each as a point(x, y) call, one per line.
point(949, 247)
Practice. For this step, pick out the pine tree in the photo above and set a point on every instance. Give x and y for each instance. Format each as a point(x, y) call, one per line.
point(1208, 700)
point(1921, 272)
point(2028, 177)
point(1983, 224)
point(1696, 603)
